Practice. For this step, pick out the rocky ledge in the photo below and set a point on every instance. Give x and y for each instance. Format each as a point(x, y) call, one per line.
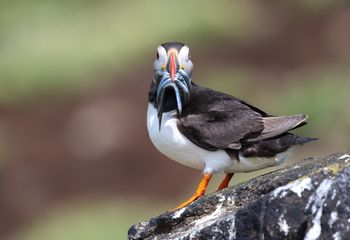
point(307, 200)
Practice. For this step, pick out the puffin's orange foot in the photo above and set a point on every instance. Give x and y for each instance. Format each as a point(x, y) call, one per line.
point(189, 201)
point(226, 181)
point(199, 191)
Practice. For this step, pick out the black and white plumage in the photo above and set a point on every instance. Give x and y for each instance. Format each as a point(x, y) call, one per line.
point(209, 130)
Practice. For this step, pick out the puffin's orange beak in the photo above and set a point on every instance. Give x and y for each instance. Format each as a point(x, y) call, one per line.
point(173, 65)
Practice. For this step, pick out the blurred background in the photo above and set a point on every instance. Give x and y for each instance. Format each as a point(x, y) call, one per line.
point(75, 158)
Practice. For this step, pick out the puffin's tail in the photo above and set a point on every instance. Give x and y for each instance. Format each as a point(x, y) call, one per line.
point(272, 146)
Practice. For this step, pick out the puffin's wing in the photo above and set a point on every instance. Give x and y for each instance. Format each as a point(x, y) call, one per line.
point(274, 126)
point(217, 121)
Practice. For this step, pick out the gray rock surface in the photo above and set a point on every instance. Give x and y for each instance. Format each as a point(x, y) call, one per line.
point(307, 200)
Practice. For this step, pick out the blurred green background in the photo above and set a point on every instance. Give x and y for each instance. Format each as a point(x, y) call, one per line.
point(75, 158)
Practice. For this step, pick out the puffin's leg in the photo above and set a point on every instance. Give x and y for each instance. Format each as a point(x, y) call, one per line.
point(226, 181)
point(199, 191)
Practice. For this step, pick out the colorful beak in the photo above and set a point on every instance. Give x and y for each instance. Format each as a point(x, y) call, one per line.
point(172, 65)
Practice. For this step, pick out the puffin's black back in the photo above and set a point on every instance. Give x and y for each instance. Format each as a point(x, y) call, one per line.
point(214, 120)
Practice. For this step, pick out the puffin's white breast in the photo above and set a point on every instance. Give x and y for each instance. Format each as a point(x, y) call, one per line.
point(172, 143)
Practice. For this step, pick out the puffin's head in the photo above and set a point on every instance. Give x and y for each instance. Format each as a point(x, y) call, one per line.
point(172, 77)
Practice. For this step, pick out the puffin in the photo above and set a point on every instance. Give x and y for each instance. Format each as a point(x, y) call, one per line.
point(209, 130)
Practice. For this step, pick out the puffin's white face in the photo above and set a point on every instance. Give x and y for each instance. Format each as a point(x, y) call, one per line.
point(173, 59)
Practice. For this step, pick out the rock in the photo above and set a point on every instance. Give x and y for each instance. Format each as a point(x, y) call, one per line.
point(306, 200)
